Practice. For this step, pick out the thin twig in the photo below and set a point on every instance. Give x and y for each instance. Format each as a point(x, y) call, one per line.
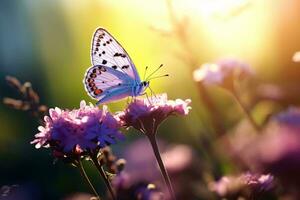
point(104, 176)
point(256, 127)
point(86, 178)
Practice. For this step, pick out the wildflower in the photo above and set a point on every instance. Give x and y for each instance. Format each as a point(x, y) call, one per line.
point(147, 114)
point(138, 191)
point(139, 153)
point(277, 150)
point(78, 130)
point(178, 158)
point(222, 73)
point(246, 185)
point(186, 170)
point(289, 117)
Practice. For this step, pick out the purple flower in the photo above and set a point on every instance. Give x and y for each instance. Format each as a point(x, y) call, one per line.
point(183, 164)
point(222, 73)
point(246, 185)
point(139, 155)
point(139, 173)
point(277, 151)
point(138, 191)
point(78, 130)
point(147, 114)
point(185, 168)
point(289, 117)
point(178, 158)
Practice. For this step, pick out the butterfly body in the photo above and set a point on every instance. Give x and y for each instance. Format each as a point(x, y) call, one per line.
point(113, 75)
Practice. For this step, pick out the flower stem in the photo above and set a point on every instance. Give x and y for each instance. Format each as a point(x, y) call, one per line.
point(246, 111)
point(84, 175)
point(163, 170)
point(104, 176)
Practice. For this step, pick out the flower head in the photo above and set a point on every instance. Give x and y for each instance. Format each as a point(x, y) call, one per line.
point(290, 117)
point(245, 185)
point(222, 73)
point(147, 114)
point(78, 130)
point(138, 191)
point(277, 151)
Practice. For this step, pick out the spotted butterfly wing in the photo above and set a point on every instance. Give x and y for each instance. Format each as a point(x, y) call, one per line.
point(113, 74)
point(107, 51)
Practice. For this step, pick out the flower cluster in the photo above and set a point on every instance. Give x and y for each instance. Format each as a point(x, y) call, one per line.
point(222, 73)
point(78, 130)
point(277, 150)
point(246, 185)
point(147, 114)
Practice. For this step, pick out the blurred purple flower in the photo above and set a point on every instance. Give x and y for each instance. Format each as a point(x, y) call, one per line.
point(137, 191)
point(178, 158)
point(185, 169)
point(222, 73)
point(26, 191)
point(277, 151)
point(139, 173)
point(182, 163)
point(139, 156)
point(290, 117)
point(78, 130)
point(246, 185)
point(147, 114)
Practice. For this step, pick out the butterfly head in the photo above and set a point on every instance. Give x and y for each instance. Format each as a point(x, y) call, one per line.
point(145, 85)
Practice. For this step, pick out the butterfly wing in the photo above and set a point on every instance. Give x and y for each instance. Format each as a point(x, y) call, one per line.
point(107, 84)
point(107, 51)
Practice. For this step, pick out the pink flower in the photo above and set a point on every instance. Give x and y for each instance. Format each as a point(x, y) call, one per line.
point(178, 158)
point(222, 73)
point(147, 114)
point(78, 130)
point(246, 185)
point(277, 151)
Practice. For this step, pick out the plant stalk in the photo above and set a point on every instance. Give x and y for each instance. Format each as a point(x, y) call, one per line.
point(247, 112)
point(163, 170)
point(104, 176)
point(86, 178)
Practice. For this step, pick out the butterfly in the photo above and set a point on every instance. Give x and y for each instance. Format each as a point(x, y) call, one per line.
point(113, 75)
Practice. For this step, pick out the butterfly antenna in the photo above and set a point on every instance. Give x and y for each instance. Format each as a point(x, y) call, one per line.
point(155, 77)
point(160, 66)
point(145, 72)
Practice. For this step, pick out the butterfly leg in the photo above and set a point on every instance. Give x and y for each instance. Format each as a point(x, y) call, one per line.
point(147, 97)
point(152, 93)
point(132, 95)
point(98, 103)
point(134, 98)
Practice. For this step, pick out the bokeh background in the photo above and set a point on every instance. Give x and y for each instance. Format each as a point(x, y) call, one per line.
point(48, 43)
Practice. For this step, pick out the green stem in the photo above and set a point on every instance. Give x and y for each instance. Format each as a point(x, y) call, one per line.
point(104, 176)
point(247, 112)
point(163, 170)
point(84, 175)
